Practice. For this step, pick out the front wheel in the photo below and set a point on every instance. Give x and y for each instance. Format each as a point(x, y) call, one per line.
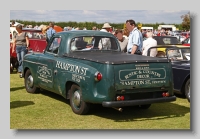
point(76, 101)
point(29, 82)
point(187, 90)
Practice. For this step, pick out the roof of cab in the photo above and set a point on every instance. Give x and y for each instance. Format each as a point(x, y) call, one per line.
point(85, 33)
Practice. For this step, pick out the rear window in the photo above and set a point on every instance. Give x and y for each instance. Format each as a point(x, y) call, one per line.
point(83, 43)
point(170, 41)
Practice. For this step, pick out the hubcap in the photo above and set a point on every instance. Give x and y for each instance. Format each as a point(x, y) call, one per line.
point(30, 81)
point(76, 98)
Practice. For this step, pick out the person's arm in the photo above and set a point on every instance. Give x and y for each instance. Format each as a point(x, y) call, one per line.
point(134, 48)
point(27, 42)
point(45, 29)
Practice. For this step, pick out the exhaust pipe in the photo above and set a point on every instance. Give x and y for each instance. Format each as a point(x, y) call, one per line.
point(118, 109)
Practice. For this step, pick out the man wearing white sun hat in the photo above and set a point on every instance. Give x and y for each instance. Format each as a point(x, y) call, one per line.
point(105, 42)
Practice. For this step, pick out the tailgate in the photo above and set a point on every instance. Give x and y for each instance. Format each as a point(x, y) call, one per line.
point(140, 75)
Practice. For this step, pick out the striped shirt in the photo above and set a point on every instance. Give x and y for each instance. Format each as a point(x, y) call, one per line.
point(135, 38)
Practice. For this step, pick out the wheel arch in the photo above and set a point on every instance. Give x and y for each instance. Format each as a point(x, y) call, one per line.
point(68, 85)
point(25, 69)
point(183, 85)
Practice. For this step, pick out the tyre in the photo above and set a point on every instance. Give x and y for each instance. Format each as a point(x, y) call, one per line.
point(146, 106)
point(187, 90)
point(29, 83)
point(76, 101)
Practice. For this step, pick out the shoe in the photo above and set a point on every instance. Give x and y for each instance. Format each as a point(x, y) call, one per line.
point(20, 75)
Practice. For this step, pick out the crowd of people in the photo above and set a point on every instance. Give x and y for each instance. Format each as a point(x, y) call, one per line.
point(131, 39)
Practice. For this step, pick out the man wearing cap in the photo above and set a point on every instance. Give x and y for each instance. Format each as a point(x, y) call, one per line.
point(135, 41)
point(66, 29)
point(105, 42)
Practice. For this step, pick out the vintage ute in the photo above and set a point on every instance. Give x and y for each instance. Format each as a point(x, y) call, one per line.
point(180, 59)
point(88, 67)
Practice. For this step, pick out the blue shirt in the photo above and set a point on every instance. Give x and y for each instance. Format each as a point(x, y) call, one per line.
point(135, 38)
point(50, 32)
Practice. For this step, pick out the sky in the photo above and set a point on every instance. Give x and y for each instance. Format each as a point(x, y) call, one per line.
point(100, 16)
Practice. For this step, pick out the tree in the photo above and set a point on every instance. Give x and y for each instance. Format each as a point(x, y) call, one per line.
point(186, 21)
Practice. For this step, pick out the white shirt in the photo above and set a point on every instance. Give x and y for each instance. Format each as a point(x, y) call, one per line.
point(148, 43)
point(123, 44)
point(104, 43)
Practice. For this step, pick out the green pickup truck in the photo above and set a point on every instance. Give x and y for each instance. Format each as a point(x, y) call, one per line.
point(88, 67)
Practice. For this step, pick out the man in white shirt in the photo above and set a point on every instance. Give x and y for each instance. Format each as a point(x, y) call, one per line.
point(148, 43)
point(105, 43)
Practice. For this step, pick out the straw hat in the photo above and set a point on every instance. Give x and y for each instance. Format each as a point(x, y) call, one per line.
point(106, 25)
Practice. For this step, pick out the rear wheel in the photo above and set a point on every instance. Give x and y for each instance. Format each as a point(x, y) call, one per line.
point(187, 90)
point(29, 83)
point(76, 101)
point(146, 106)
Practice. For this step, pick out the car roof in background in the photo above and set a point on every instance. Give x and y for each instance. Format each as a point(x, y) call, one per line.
point(31, 29)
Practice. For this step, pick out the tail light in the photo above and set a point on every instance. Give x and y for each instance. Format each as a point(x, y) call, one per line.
point(98, 76)
point(120, 98)
point(10, 36)
point(165, 94)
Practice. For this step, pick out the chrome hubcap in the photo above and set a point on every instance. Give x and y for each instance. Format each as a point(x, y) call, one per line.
point(76, 99)
point(30, 81)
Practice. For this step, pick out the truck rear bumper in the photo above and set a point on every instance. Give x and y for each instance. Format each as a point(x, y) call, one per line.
point(137, 102)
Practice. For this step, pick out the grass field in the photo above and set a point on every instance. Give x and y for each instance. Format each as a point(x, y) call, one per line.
point(47, 110)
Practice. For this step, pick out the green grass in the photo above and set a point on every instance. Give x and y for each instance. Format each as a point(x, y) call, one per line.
point(47, 110)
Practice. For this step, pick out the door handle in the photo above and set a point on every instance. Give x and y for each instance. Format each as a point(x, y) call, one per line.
point(55, 72)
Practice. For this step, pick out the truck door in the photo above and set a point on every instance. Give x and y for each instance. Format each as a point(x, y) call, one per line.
point(46, 71)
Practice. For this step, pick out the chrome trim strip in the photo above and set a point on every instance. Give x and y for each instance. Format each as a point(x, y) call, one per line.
point(35, 63)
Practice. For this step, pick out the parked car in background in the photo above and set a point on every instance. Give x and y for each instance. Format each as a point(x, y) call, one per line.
point(180, 59)
point(37, 43)
point(168, 41)
point(186, 42)
point(176, 33)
